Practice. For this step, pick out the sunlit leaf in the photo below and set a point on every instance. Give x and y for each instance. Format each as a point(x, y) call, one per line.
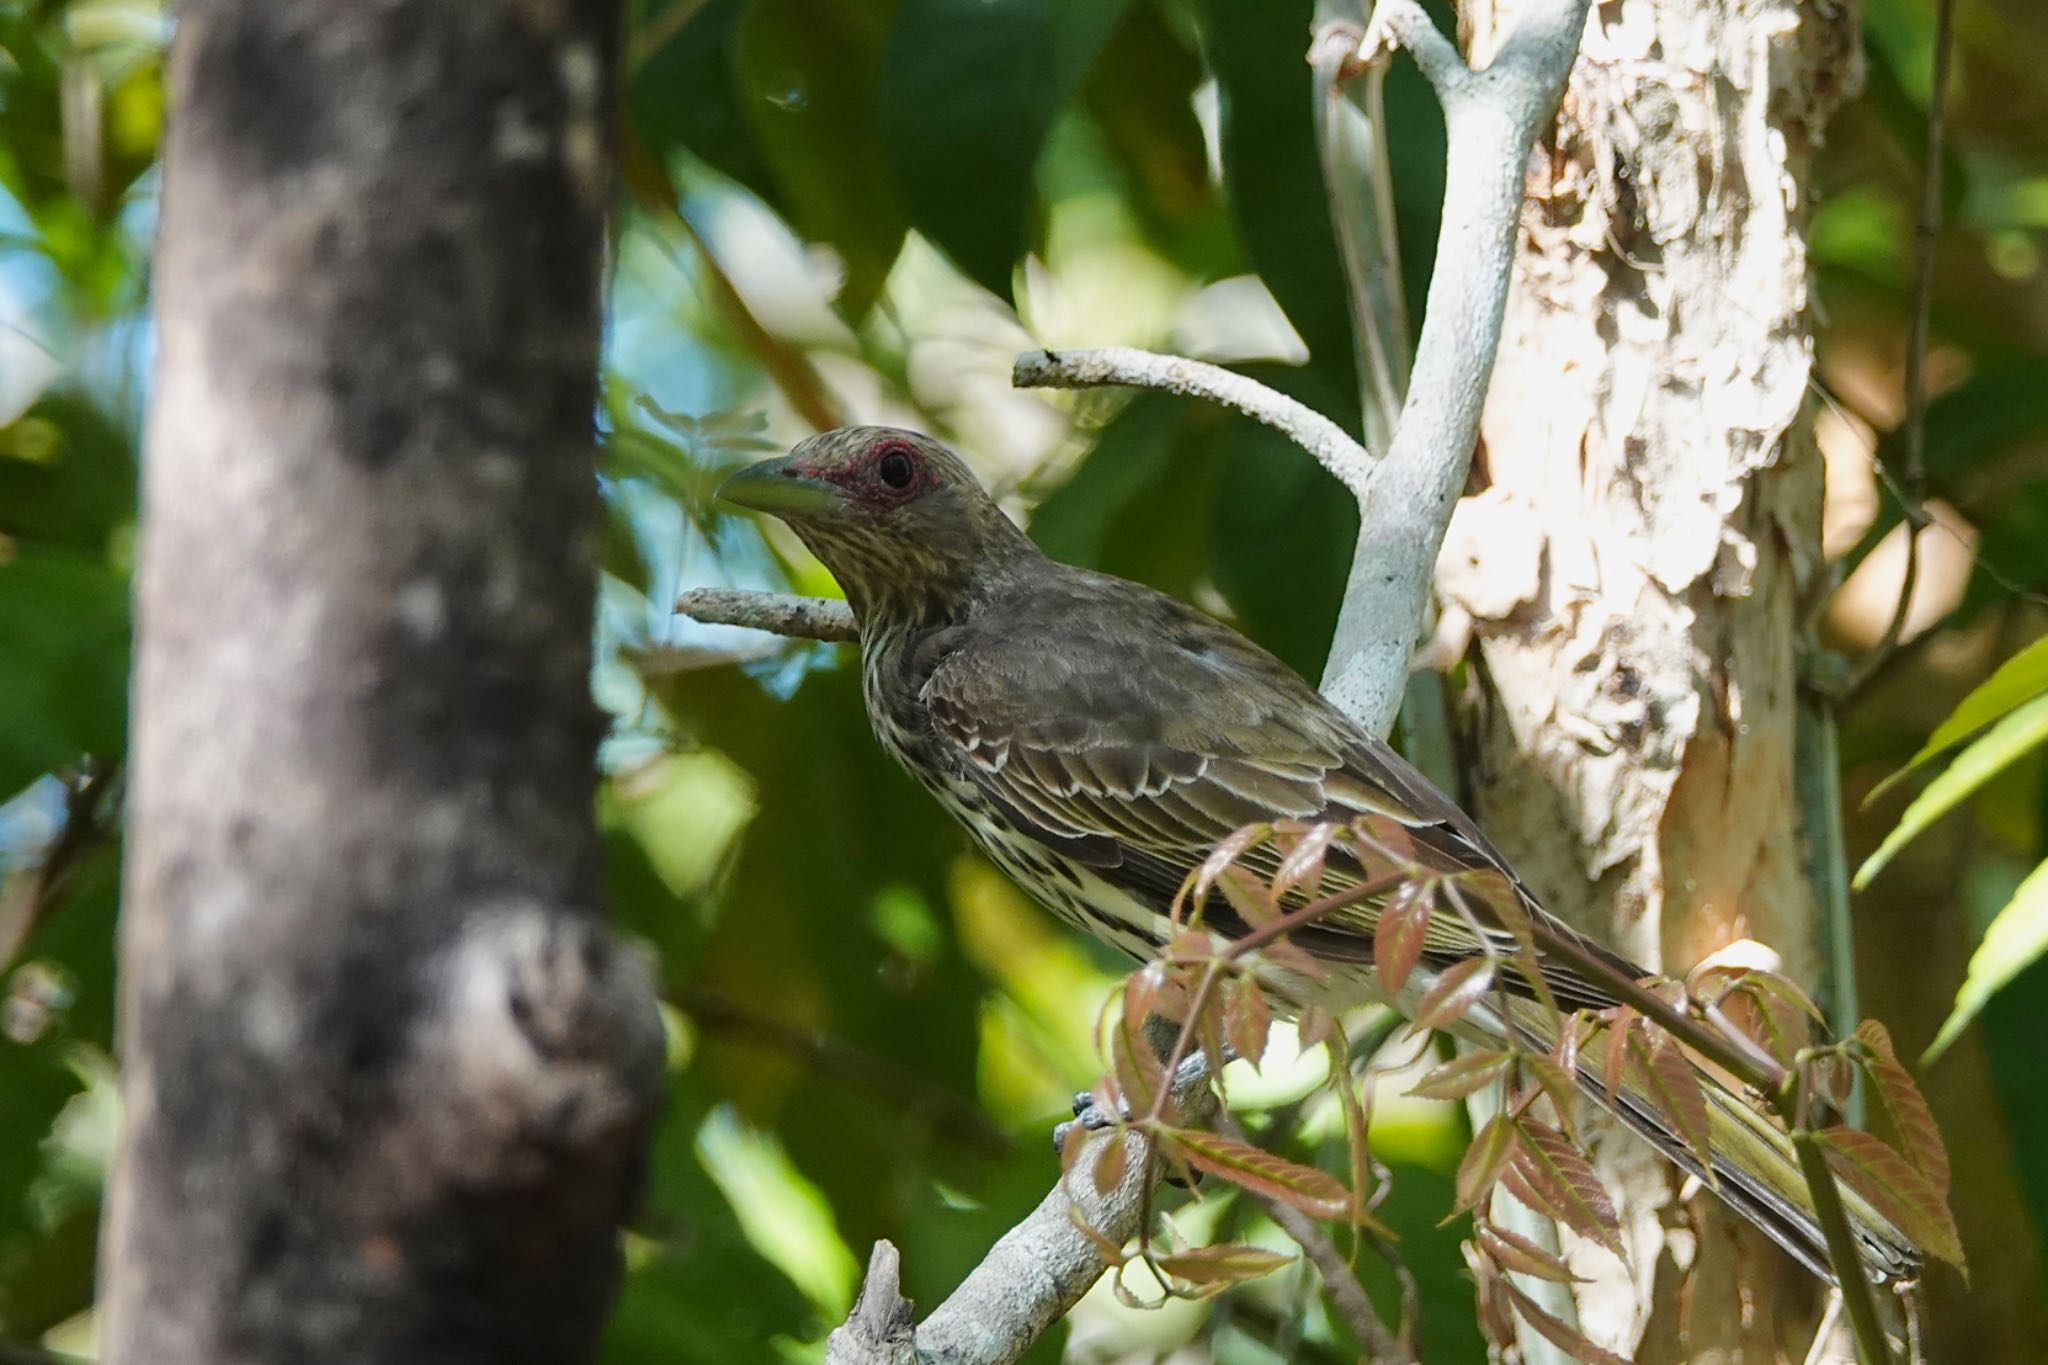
point(2018, 680)
point(2020, 733)
point(2018, 937)
point(1302, 866)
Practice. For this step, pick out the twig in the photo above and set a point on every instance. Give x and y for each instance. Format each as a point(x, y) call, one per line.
point(806, 618)
point(1926, 237)
point(1111, 366)
point(27, 898)
point(1841, 1243)
point(1492, 118)
point(1347, 1295)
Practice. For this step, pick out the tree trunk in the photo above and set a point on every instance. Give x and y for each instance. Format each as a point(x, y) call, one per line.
point(387, 1080)
point(1636, 565)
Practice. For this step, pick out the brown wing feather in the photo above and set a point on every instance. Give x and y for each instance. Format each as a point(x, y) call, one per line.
point(1134, 733)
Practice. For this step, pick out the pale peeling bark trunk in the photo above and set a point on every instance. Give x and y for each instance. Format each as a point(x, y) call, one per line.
point(1634, 567)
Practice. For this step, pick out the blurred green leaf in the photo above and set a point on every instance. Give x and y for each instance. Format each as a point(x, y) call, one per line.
point(2012, 738)
point(808, 83)
point(685, 93)
point(67, 477)
point(64, 672)
point(2016, 940)
point(969, 90)
point(1274, 182)
point(2019, 679)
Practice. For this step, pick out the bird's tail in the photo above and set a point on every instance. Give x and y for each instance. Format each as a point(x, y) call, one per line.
point(1755, 1169)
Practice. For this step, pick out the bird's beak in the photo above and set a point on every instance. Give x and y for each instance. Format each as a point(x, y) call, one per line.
point(780, 488)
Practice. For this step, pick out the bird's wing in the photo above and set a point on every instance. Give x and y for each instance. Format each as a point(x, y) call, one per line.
point(1136, 736)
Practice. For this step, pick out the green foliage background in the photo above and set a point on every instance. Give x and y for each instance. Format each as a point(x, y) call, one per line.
point(859, 211)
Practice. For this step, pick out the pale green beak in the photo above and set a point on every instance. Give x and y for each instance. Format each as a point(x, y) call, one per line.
point(780, 489)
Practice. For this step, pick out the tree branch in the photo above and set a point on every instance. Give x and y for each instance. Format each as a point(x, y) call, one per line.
point(1034, 1274)
point(805, 618)
point(1110, 366)
point(1492, 118)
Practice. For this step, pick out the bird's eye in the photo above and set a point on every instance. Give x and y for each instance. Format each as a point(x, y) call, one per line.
point(896, 469)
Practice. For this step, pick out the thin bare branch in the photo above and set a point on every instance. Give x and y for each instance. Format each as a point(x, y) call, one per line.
point(806, 618)
point(1114, 366)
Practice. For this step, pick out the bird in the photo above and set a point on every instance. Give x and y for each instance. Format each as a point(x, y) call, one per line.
point(1098, 739)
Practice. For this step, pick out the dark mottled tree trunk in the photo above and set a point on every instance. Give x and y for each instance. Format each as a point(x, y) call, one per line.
point(387, 1080)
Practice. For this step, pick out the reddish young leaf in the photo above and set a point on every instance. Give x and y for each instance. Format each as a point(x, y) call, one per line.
point(1247, 1018)
point(1261, 1172)
point(1313, 1027)
point(1229, 1264)
point(1139, 1076)
point(1356, 1130)
point(1919, 1138)
point(1672, 1084)
point(1621, 1021)
point(1398, 937)
point(1517, 1253)
point(1225, 855)
point(1248, 896)
point(1462, 1076)
point(1111, 1253)
point(1460, 987)
point(1302, 865)
point(1896, 1188)
point(1110, 1163)
point(1282, 953)
point(1492, 1148)
point(1566, 1183)
point(1555, 1082)
point(1142, 989)
point(1558, 1333)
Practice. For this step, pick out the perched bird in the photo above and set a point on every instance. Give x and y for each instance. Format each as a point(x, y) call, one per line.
point(1098, 739)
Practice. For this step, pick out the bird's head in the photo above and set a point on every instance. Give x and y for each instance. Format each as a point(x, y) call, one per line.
point(899, 520)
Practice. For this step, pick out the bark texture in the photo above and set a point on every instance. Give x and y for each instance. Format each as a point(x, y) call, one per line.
point(387, 1079)
point(1634, 569)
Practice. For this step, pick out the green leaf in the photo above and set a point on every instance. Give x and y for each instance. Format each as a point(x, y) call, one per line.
point(64, 670)
point(2017, 938)
point(968, 91)
point(808, 76)
point(2019, 679)
point(2022, 730)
